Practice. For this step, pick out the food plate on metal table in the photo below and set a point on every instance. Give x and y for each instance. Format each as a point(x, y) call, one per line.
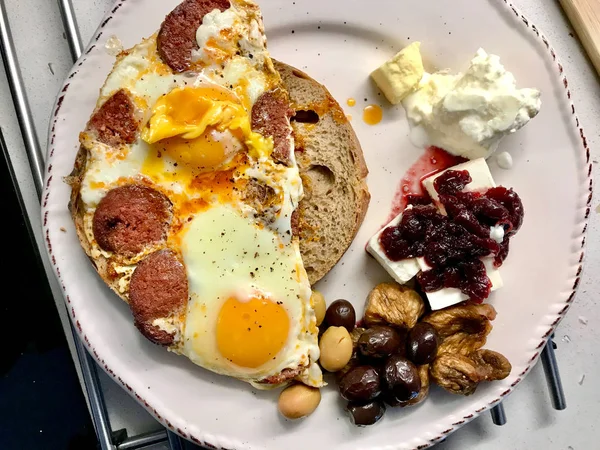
point(469, 137)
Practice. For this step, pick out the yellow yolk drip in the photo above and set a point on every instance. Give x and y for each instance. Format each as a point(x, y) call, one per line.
point(372, 114)
point(187, 121)
point(251, 333)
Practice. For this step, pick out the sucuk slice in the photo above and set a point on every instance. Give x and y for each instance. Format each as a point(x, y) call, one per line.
point(129, 218)
point(158, 290)
point(115, 122)
point(177, 36)
point(271, 117)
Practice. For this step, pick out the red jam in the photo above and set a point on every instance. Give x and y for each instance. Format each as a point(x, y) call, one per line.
point(432, 160)
point(453, 244)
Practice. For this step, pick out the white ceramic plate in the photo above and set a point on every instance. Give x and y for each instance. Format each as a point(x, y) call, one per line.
point(339, 42)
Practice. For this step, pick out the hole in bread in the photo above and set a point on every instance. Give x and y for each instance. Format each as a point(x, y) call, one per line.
point(299, 74)
point(305, 116)
point(322, 179)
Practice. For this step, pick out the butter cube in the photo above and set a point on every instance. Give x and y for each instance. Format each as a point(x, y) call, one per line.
point(400, 75)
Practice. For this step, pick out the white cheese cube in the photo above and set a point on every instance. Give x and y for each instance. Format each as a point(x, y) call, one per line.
point(480, 174)
point(402, 271)
point(445, 297)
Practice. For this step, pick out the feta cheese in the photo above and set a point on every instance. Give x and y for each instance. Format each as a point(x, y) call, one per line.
point(480, 175)
point(445, 297)
point(467, 115)
point(402, 271)
point(400, 75)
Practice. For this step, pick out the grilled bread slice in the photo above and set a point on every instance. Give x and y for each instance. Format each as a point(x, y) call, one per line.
point(333, 172)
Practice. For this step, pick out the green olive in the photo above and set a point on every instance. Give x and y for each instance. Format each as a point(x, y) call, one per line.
point(336, 348)
point(298, 401)
point(319, 306)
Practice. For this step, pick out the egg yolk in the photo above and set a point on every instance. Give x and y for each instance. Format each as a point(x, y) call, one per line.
point(202, 126)
point(250, 333)
point(204, 152)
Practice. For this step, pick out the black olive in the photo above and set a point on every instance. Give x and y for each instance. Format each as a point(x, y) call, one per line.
point(360, 384)
point(422, 343)
point(401, 381)
point(341, 314)
point(365, 414)
point(379, 342)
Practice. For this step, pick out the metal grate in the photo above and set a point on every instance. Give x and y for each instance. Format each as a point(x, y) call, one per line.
point(119, 440)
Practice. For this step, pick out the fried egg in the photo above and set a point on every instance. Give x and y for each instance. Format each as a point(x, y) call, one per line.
point(249, 313)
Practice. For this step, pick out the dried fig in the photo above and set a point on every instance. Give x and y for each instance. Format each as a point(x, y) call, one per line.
point(393, 304)
point(355, 335)
point(457, 374)
point(469, 319)
point(495, 364)
point(464, 343)
point(461, 374)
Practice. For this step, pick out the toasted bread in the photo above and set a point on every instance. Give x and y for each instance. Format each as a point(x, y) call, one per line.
point(333, 172)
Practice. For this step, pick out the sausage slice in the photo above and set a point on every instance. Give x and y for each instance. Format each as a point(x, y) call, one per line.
point(131, 217)
point(271, 117)
point(158, 289)
point(177, 35)
point(115, 120)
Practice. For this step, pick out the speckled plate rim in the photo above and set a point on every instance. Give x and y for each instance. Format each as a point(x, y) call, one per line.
point(440, 429)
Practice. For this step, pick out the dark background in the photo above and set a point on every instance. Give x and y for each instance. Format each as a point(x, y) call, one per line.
point(41, 402)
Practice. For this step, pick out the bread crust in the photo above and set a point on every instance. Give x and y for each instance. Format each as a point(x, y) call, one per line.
point(77, 210)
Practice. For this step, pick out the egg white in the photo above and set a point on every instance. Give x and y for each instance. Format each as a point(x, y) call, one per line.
point(225, 253)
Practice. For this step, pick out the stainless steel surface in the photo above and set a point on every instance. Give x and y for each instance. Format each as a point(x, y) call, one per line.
point(498, 415)
point(17, 89)
point(99, 415)
point(36, 162)
point(71, 29)
point(143, 440)
point(550, 365)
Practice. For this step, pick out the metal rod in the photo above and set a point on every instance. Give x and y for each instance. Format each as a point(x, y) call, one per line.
point(143, 440)
point(71, 30)
point(174, 441)
point(15, 82)
point(557, 394)
point(95, 395)
point(498, 415)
